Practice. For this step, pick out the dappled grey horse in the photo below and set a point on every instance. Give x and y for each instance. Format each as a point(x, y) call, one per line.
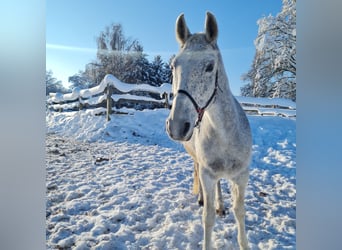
point(206, 118)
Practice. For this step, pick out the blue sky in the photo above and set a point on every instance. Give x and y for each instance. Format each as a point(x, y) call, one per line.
point(72, 27)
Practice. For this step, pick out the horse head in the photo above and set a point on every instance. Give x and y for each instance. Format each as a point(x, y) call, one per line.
point(195, 76)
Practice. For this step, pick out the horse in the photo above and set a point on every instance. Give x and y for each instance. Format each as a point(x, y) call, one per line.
point(213, 128)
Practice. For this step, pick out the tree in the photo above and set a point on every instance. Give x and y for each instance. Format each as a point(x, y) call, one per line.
point(94, 73)
point(273, 71)
point(159, 72)
point(136, 68)
point(52, 84)
point(80, 80)
point(118, 55)
point(124, 58)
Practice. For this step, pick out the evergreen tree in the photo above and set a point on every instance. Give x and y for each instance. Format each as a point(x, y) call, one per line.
point(166, 73)
point(157, 74)
point(136, 68)
point(124, 58)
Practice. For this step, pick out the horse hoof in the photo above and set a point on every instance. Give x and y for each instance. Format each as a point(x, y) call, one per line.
point(220, 213)
point(200, 203)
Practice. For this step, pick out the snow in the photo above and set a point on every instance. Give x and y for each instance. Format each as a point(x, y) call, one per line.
point(135, 97)
point(125, 87)
point(260, 101)
point(108, 80)
point(124, 184)
point(261, 106)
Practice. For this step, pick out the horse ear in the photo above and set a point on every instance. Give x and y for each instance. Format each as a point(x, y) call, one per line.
point(182, 31)
point(211, 30)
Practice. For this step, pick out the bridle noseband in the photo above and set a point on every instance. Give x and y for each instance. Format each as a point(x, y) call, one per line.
point(199, 110)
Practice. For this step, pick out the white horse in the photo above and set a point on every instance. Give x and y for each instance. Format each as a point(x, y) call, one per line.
point(210, 123)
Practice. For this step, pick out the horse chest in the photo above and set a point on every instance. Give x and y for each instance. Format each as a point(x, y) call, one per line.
point(211, 154)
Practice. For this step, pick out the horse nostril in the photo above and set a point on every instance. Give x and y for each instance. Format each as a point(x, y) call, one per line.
point(186, 128)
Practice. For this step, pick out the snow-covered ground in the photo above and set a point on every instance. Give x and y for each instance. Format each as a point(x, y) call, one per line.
point(124, 184)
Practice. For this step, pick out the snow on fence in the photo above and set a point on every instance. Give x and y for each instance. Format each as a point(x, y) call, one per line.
point(122, 94)
point(268, 106)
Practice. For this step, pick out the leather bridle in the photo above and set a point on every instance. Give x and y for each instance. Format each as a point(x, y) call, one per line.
point(200, 110)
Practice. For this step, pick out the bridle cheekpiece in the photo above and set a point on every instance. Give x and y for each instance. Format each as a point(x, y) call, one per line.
point(200, 110)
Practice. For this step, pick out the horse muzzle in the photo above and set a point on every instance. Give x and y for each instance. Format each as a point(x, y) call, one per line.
point(179, 130)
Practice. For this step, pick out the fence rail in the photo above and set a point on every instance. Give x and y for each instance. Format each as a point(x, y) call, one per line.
point(268, 106)
point(144, 96)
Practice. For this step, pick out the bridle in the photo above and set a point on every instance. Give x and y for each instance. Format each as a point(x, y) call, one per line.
point(200, 110)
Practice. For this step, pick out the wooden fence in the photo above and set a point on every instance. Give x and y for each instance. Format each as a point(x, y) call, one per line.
point(137, 96)
point(143, 96)
point(268, 106)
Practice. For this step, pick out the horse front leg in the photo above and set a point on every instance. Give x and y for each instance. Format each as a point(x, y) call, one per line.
point(208, 217)
point(239, 188)
point(197, 187)
point(219, 200)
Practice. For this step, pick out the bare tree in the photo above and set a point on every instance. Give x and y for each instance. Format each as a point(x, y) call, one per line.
point(123, 57)
point(116, 54)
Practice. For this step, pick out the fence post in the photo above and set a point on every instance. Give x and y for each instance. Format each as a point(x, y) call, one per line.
point(109, 101)
point(80, 105)
point(166, 105)
point(60, 109)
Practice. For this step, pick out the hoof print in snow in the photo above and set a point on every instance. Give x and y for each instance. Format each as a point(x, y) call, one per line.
point(135, 134)
point(55, 152)
point(100, 159)
point(263, 194)
point(221, 213)
point(51, 187)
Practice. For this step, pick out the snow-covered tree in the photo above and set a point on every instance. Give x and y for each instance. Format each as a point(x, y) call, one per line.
point(166, 73)
point(80, 80)
point(118, 55)
point(159, 71)
point(124, 58)
point(136, 68)
point(273, 72)
point(52, 84)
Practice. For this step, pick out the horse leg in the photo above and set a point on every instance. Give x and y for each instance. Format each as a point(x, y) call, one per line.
point(208, 217)
point(200, 195)
point(239, 209)
point(219, 200)
point(197, 187)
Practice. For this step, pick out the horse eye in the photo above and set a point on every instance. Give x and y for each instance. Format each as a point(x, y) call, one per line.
point(209, 67)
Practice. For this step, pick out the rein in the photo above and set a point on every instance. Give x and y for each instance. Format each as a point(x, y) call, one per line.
point(199, 110)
